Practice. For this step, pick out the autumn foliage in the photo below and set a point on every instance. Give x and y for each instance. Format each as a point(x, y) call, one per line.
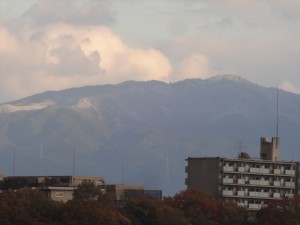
point(91, 207)
point(280, 212)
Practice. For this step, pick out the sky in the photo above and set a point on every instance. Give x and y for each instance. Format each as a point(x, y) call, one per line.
point(58, 44)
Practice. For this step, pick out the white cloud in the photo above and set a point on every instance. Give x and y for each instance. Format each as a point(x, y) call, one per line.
point(65, 56)
point(60, 44)
point(195, 65)
point(288, 86)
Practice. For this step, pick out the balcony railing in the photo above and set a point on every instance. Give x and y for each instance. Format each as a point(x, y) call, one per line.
point(264, 194)
point(227, 193)
point(290, 172)
point(264, 170)
point(254, 170)
point(227, 180)
point(241, 193)
point(227, 168)
point(253, 194)
point(241, 181)
point(277, 183)
point(241, 204)
point(289, 195)
point(276, 195)
point(277, 171)
point(254, 182)
point(254, 206)
point(241, 169)
point(264, 182)
point(289, 184)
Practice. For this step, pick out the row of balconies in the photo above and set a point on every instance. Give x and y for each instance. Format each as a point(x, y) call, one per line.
point(253, 206)
point(255, 194)
point(258, 182)
point(258, 170)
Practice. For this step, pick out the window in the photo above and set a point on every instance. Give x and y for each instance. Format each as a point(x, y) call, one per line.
point(99, 182)
point(59, 194)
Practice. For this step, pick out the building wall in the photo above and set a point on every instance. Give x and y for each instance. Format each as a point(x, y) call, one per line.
point(58, 188)
point(252, 183)
point(248, 182)
point(59, 194)
point(269, 150)
point(117, 191)
point(203, 174)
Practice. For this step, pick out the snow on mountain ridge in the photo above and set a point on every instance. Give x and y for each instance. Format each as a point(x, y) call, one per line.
point(84, 103)
point(7, 108)
point(231, 77)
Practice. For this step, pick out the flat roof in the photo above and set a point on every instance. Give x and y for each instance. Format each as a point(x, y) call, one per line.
point(245, 160)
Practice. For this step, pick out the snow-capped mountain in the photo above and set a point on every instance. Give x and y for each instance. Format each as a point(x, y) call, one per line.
point(148, 128)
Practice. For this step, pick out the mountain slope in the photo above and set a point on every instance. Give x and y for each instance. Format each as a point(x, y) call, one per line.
point(145, 129)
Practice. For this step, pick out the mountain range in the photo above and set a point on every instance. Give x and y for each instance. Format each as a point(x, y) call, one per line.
point(142, 132)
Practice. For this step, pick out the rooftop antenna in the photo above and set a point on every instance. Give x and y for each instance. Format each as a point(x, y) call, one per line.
point(277, 126)
point(14, 161)
point(123, 174)
point(277, 114)
point(73, 169)
point(123, 178)
point(42, 151)
point(240, 145)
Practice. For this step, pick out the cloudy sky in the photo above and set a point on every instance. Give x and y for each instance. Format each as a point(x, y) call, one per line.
point(57, 44)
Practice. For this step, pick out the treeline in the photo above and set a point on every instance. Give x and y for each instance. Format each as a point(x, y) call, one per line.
point(91, 207)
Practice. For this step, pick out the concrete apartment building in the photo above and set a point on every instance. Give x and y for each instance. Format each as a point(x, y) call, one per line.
point(58, 188)
point(249, 182)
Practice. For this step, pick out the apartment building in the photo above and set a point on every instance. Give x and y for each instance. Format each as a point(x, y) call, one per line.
point(249, 182)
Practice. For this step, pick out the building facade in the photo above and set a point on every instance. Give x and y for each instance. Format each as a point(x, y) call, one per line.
point(61, 188)
point(249, 182)
point(58, 188)
point(125, 193)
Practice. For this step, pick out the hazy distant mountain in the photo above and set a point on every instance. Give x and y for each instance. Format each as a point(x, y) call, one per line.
point(144, 131)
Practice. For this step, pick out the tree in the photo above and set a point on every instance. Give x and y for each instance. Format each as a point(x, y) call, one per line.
point(90, 213)
point(196, 206)
point(90, 206)
point(280, 212)
point(88, 191)
point(145, 211)
point(27, 207)
point(231, 214)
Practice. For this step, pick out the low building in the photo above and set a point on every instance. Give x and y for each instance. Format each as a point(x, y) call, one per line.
point(58, 188)
point(249, 182)
point(125, 193)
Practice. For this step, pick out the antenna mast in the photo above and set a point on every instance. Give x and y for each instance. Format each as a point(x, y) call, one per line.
point(277, 114)
point(14, 161)
point(74, 153)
